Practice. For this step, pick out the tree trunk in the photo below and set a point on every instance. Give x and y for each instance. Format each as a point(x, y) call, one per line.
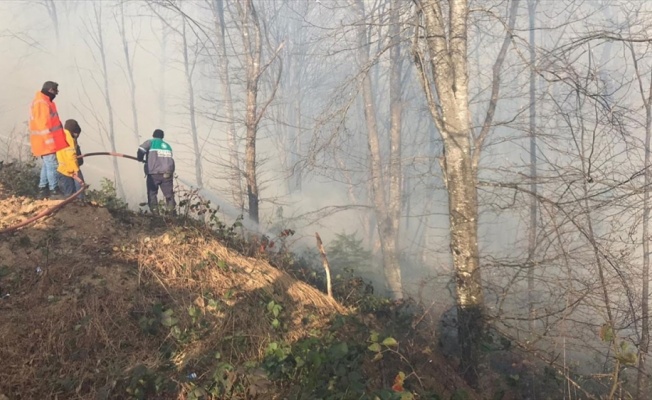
point(252, 43)
point(234, 172)
point(99, 41)
point(387, 227)
point(188, 69)
point(447, 58)
point(448, 61)
point(130, 74)
point(162, 67)
point(391, 260)
point(463, 210)
point(532, 231)
point(51, 6)
point(642, 379)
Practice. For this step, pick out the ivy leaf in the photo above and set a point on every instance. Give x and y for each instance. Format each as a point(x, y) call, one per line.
point(339, 350)
point(398, 382)
point(167, 319)
point(375, 347)
point(276, 310)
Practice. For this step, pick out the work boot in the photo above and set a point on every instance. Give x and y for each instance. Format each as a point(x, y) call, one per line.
point(55, 194)
point(43, 193)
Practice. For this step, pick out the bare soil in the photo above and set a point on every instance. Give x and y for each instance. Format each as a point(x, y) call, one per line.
point(80, 290)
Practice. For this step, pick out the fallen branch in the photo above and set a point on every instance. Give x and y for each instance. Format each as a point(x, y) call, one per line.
point(324, 262)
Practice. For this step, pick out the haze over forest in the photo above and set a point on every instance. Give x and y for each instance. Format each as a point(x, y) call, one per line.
point(349, 108)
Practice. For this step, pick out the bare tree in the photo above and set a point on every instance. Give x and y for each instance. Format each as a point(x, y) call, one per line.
point(252, 42)
point(532, 231)
point(601, 125)
point(188, 69)
point(443, 67)
point(223, 72)
point(96, 38)
point(386, 213)
point(387, 204)
point(51, 6)
point(643, 380)
point(190, 53)
point(129, 70)
point(162, 66)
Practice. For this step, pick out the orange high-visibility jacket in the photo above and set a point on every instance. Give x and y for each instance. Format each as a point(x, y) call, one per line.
point(67, 157)
point(46, 130)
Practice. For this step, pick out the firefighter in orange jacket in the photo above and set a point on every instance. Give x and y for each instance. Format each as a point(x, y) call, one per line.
point(46, 136)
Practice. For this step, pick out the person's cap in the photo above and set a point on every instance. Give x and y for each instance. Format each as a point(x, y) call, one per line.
point(158, 134)
point(50, 85)
point(72, 126)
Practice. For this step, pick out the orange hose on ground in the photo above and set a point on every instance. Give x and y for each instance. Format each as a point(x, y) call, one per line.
point(54, 208)
point(45, 212)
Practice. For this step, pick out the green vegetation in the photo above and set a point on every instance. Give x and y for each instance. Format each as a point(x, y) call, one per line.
point(20, 179)
point(106, 196)
point(192, 308)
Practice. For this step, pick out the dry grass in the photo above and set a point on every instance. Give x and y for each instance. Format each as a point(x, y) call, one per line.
point(75, 330)
point(72, 330)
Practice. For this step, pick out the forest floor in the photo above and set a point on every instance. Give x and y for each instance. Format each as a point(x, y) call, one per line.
point(110, 304)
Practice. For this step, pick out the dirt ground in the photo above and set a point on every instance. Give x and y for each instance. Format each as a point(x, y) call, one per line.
point(76, 286)
point(57, 276)
point(90, 302)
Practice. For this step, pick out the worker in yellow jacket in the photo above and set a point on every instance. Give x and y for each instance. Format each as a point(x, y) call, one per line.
point(68, 168)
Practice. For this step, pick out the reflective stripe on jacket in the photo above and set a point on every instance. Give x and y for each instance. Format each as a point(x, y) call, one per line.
point(46, 130)
point(67, 157)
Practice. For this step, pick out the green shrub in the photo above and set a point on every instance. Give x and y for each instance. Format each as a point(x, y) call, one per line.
point(106, 196)
point(346, 253)
point(20, 178)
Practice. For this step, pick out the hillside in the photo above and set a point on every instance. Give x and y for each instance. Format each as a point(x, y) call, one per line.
point(111, 304)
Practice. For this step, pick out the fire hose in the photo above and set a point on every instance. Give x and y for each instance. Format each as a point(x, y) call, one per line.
point(108, 153)
point(68, 200)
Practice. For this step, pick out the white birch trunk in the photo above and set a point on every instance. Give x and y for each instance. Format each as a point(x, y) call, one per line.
point(447, 49)
point(235, 171)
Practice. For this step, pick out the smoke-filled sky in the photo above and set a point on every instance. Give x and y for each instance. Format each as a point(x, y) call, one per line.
point(587, 91)
point(73, 59)
point(314, 127)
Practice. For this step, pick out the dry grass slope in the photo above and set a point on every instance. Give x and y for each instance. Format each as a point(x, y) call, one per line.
point(72, 322)
point(90, 301)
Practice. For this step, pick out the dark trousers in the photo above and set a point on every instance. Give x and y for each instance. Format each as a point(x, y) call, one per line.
point(154, 181)
point(66, 184)
point(78, 185)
